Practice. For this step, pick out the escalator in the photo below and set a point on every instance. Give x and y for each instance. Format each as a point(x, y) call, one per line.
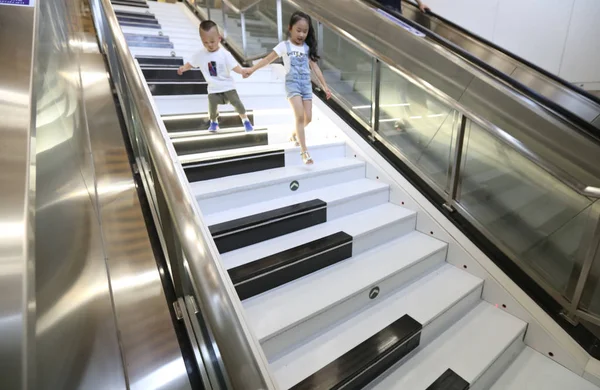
point(383, 265)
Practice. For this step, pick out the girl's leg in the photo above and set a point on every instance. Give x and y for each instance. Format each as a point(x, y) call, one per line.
point(307, 112)
point(298, 107)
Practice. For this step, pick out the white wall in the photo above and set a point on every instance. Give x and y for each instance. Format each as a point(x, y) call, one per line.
point(561, 36)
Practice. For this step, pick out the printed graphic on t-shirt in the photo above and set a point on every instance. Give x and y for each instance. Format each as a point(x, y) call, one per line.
point(297, 54)
point(212, 68)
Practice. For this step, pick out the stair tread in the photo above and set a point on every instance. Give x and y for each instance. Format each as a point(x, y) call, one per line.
point(330, 194)
point(424, 300)
point(354, 225)
point(274, 311)
point(533, 371)
point(225, 185)
point(469, 347)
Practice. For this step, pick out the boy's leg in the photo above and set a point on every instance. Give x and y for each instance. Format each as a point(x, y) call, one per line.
point(234, 99)
point(213, 106)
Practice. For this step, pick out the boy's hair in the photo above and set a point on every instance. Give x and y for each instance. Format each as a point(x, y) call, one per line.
point(207, 25)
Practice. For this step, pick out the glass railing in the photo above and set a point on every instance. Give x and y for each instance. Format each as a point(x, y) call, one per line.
point(537, 211)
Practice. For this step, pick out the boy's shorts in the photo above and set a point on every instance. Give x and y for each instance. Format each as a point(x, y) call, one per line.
point(228, 97)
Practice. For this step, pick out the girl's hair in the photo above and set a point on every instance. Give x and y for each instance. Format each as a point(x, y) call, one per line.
point(310, 40)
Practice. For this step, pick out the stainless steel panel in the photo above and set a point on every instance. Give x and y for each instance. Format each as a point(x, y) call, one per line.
point(76, 334)
point(539, 134)
point(149, 345)
point(17, 192)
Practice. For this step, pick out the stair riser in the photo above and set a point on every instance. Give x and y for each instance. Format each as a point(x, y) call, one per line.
point(491, 375)
point(224, 168)
point(159, 45)
point(274, 345)
point(356, 204)
point(240, 198)
point(163, 61)
point(174, 89)
point(226, 120)
point(141, 25)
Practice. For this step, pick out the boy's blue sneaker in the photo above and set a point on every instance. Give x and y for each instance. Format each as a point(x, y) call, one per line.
point(214, 126)
point(248, 126)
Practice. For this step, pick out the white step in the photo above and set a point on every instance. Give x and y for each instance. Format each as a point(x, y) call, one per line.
point(479, 347)
point(270, 105)
point(151, 51)
point(341, 199)
point(534, 371)
point(369, 228)
point(437, 301)
point(235, 191)
point(290, 314)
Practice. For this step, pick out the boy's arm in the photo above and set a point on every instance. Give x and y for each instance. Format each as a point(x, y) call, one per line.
point(184, 68)
point(315, 68)
point(238, 69)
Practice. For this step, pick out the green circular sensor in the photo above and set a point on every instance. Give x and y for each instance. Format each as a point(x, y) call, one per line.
point(374, 292)
point(294, 185)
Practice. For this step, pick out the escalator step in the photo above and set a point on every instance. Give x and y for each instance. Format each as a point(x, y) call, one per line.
point(272, 271)
point(365, 362)
point(229, 166)
point(242, 232)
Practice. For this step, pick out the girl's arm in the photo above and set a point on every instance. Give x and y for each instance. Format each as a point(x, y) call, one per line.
point(239, 70)
point(315, 68)
point(264, 62)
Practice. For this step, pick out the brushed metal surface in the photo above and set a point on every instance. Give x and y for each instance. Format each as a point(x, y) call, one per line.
point(240, 351)
point(562, 148)
point(76, 335)
point(149, 344)
point(17, 194)
point(571, 100)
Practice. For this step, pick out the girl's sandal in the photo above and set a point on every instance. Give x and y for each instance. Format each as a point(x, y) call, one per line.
point(294, 139)
point(306, 158)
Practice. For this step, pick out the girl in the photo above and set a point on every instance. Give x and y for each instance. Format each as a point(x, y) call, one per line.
point(299, 54)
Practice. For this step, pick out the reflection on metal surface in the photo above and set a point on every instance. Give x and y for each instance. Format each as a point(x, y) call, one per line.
point(17, 192)
point(76, 336)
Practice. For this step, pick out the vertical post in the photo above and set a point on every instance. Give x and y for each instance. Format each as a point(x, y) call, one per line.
point(375, 93)
point(244, 38)
point(320, 37)
point(208, 7)
point(279, 21)
point(224, 12)
point(456, 164)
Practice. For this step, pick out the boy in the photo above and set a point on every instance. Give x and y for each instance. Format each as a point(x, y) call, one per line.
point(216, 64)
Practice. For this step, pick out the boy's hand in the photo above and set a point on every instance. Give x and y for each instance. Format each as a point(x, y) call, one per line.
point(247, 72)
point(180, 70)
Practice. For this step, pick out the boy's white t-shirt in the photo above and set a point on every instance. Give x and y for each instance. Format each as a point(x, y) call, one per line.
point(295, 50)
point(216, 68)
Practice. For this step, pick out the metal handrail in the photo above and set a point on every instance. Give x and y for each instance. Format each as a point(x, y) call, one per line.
point(241, 353)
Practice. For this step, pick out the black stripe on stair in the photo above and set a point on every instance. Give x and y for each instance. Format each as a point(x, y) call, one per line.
point(159, 61)
point(130, 4)
point(272, 271)
point(241, 232)
point(237, 165)
point(141, 25)
point(209, 142)
point(178, 88)
point(180, 123)
point(135, 19)
point(170, 74)
point(449, 380)
point(135, 14)
point(365, 362)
